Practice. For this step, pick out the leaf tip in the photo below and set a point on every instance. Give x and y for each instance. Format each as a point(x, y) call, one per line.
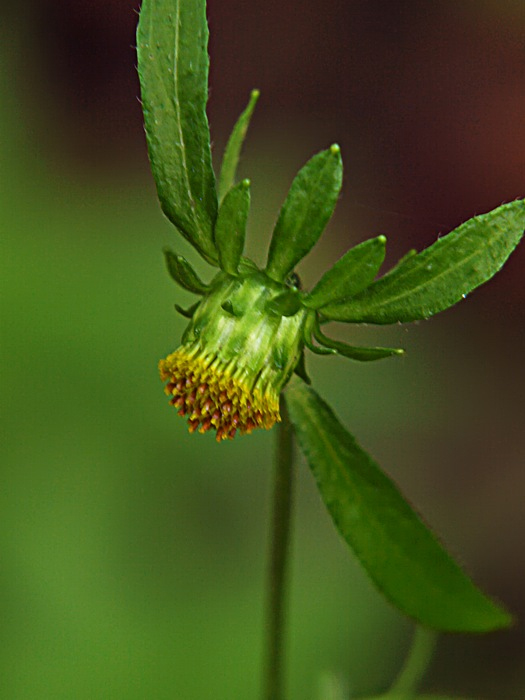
point(500, 619)
point(246, 183)
point(507, 619)
point(335, 149)
point(382, 239)
point(254, 94)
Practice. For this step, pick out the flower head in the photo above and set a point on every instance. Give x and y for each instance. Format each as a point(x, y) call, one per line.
point(237, 353)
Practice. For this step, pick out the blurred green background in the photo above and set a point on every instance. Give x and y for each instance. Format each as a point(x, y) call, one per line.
point(133, 554)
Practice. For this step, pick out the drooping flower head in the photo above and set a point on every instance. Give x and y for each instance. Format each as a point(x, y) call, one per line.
point(237, 354)
point(248, 333)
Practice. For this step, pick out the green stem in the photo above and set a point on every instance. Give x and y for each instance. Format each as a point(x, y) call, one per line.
point(415, 665)
point(280, 537)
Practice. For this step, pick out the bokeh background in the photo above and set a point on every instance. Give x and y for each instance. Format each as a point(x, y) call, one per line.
point(133, 555)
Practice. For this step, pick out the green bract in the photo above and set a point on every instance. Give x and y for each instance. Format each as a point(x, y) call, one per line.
point(248, 333)
point(234, 146)
point(183, 273)
point(352, 273)
point(306, 211)
point(230, 230)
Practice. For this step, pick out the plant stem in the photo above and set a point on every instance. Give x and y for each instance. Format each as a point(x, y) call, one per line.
point(280, 537)
point(416, 663)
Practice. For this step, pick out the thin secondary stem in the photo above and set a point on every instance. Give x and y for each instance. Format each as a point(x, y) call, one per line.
point(415, 665)
point(280, 537)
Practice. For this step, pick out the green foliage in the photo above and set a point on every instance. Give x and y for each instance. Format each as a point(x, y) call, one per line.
point(398, 551)
point(308, 332)
point(183, 273)
point(352, 352)
point(306, 211)
point(401, 555)
point(328, 346)
point(233, 147)
point(172, 38)
point(230, 230)
point(350, 274)
point(441, 275)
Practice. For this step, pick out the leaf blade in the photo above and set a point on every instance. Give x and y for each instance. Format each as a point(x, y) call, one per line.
point(230, 229)
point(440, 276)
point(401, 555)
point(354, 271)
point(172, 38)
point(355, 352)
point(307, 209)
point(233, 148)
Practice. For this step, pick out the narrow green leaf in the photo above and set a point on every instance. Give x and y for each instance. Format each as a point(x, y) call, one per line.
point(306, 211)
point(230, 229)
point(353, 352)
point(182, 272)
point(234, 146)
point(172, 38)
point(187, 313)
point(308, 331)
point(286, 304)
point(318, 349)
point(401, 555)
point(441, 275)
point(350, 274)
